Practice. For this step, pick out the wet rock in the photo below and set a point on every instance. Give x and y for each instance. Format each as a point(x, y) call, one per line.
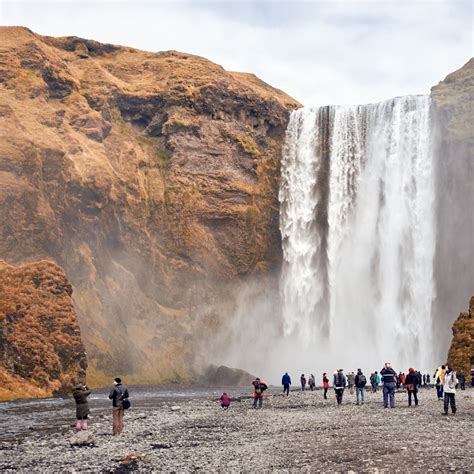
point(83, 438)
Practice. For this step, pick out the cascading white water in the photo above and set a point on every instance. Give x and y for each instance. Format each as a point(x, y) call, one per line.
point(358, 232)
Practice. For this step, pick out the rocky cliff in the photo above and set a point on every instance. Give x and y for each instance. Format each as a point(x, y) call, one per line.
point(453, 100)
point(41, 353)
point(461, 352)
point(151, 178)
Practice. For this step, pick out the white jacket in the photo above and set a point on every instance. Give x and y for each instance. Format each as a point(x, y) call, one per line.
point(450, 381)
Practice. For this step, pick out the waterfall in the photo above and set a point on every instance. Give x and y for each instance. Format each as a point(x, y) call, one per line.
point(358, 232)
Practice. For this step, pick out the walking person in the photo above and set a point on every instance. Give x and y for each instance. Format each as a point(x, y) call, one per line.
point(312, 382)
point(339, 384)
point(389, 379)
point(449, 389)
point(462, 380)
point(412, 386)
point(325, 385)
point(286, 382)
point(351, 381)
point(119, 396)
point(439, 381)
point(360, 382)
point(80, 394)
point(303, 382)
point(258, 388)
point(428, 379)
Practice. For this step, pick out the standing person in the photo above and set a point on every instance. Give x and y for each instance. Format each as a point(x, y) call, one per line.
point(424, 380)
point(225, 401)
point(339, 384)
point(118, 395)
point(372, 381)
point(286, 382)
point(419, 379)
point(351, 381)
point(80, 394)
point(360, 383)
point(303, 382)
point(312, 382)
point(462, 380)
point(258, 388)
point(412, 386)
point(378, 379)
point(439, 381)
point(325, 385)
point(472, 377)
point(428, 379)
point(450, 382)
point(389, 379)
point(399, 380)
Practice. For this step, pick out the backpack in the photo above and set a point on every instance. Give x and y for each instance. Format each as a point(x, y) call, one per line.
point(340, 379)
point(362, 379)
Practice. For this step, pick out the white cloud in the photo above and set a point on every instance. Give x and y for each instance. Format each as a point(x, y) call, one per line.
point(333, 52)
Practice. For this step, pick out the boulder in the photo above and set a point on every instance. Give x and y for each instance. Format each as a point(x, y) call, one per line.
point(82, 438)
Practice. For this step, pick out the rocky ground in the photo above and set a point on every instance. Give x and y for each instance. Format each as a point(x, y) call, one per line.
point(299, 433)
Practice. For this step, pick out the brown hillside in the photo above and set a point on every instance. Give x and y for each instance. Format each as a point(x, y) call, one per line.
point(41, 349)
point(461, 352)
point(152, 178)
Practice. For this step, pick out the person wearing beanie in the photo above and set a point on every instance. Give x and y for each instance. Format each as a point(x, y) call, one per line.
point(119, 396)
point(411, 383)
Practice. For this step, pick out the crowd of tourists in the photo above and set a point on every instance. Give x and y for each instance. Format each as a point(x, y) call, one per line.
point(445, 380)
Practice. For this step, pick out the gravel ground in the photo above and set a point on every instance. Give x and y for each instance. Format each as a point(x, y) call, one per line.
point(300, 433)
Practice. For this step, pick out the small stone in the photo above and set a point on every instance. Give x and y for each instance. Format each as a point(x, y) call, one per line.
point(175, 408)
point(83, 438)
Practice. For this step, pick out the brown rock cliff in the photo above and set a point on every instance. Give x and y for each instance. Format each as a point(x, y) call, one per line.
point(152, 178)
point(461, 352)
point(41, 353)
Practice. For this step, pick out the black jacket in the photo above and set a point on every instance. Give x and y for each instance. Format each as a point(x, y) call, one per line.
point(360, 380)
point(118, 394)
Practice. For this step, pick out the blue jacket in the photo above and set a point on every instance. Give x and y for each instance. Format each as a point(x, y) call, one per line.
point(286, 380)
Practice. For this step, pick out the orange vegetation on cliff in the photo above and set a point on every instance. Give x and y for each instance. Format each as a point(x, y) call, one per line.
point(152, 178)
point(41, 349)
point(461, 352)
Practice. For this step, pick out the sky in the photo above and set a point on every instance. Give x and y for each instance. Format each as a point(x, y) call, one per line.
point(319, 52)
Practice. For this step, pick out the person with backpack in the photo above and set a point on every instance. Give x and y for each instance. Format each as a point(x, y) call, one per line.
point(325, 385)
point(360, 382)
point(258, 388)
point(449, 389)
point(119, 396)
point(411, 381)
point(312, 382)
point(225, 401)
point(339, 383)
point(80, 394)
point(286, 382)
point(389, 379)
point(372, 381)
point(378, 379)
point(303, 382)
point(439, 381)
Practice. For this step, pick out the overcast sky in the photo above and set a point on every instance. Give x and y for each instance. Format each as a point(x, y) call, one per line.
point(331, 52)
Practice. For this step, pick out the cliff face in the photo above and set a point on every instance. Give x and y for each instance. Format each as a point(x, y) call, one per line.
point(152, 178)
point(461, 352)
point(41, 349)
point(453, 101)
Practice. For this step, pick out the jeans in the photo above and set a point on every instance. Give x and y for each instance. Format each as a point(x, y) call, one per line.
point(389, 394)
point(360, 393)
point(449, 398)
point(117, 413)
point(439, 391)
point(415, 397)
point(339, 393)
point(286, 388)
point(259, 400)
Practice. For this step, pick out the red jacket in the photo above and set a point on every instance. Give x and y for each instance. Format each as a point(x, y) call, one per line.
point(325, 382)
point(258, 389)
point(225, 400)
